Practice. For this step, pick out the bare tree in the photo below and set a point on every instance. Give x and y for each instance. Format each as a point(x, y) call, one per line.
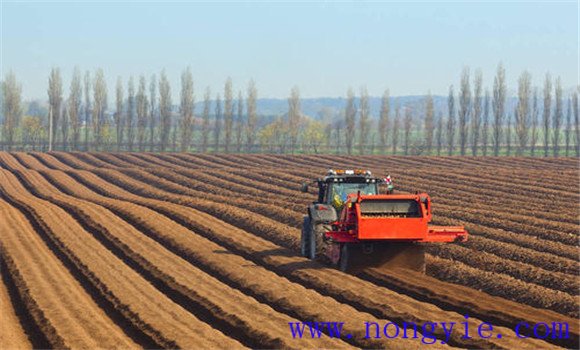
point(364, 119)
point(234, 125)
point(88, 111)
point(485, 131)
point(164, 109)
point(451, 121)
point(373, 143)
point(218, 122)
point(439, 134)
point(205, 121)
point(464, 109)
point(294, 115)
point(239, 122)
point(395, 136)
point(142, 106)
point(476, 119)
point(55, 99)
point(11, 107)
point(350, 119)
point(547, 112)
point(64, 127)
point(499, 93)
point(130, 119)
point(407, 124)
point(508, 137)
point(568, 129)
point(523, 111)
point(119, 113)
point(186, 109)
point(228, 113)
point(100, 106)
point(328, 135)
point(576, 121)
point(535, 113)
point(2, 145)
point(557, 120)
point(384, 120)
point(337, 128)
point(174, 137)
point(74, 107)
point(429, 122)
point(152, 99)
point(252, 114)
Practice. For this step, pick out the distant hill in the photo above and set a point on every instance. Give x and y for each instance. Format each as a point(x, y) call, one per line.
point(316, 107)
point(331, 107)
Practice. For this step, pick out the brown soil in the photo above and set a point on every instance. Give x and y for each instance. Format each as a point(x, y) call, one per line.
point(183, 250)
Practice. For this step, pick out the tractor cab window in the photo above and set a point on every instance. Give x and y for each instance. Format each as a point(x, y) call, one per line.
point(343, 189)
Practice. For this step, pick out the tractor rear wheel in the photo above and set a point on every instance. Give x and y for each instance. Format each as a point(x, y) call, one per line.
point(305, 236)
point(344, 260)
point(317, 242)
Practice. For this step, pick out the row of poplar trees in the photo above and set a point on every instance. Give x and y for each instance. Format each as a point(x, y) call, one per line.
point(476, 122)
point(143, 119)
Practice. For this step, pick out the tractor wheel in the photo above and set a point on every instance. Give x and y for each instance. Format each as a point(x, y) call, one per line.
point(343, 262)
point(305, 236)
point(317, 242)
point(311, 254)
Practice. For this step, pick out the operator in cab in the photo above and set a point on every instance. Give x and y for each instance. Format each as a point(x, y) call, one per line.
point(340, 191)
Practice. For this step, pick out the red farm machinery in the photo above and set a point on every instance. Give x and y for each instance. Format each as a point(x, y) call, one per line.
point(353, 226)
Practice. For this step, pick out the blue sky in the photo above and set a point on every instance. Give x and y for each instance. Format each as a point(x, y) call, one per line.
point(322, 47)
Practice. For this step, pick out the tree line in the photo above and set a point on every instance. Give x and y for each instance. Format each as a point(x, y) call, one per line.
point(142, 117)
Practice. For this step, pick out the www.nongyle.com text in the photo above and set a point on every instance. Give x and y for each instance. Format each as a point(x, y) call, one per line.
point(428, 332)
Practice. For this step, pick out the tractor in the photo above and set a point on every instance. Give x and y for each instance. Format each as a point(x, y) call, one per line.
point(353, 226)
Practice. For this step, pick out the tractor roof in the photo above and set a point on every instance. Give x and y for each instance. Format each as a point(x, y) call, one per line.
point(342, 175)
point(357, 172)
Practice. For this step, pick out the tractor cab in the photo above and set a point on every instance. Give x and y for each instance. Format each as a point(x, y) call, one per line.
point(341, 183)
point(334, 188)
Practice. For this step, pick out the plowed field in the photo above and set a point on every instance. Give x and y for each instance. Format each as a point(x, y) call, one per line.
point(132, 250)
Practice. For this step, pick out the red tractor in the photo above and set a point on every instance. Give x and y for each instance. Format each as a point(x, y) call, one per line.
point(353, 226)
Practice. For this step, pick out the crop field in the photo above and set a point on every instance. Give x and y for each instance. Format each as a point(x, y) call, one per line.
point(176, 250)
